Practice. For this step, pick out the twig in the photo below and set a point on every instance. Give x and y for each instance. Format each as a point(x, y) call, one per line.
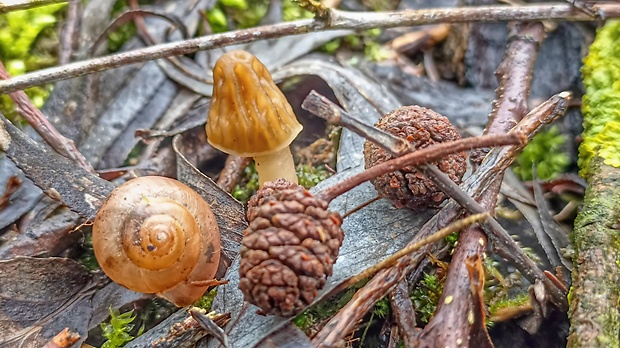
point(230, 174)
point(16, 5)
point(514, 75)
point(68, 35)
point(422, 156)
point(404, 313)
point(324, 108)
point(336, 19)
point(206, 323)
point(41, 124)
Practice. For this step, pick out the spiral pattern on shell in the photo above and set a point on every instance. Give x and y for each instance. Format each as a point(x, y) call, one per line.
point(409, 187)
point(156, 235)
point(288, 250)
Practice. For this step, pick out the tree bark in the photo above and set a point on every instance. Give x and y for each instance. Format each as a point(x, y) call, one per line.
point(594, 307)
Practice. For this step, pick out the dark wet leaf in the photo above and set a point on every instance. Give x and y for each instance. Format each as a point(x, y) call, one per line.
point(553, 231)
point(56, 175)
point(45, 230)
point(22, 200)
point(40, 297)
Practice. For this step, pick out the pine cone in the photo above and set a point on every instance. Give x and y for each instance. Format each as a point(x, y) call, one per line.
point(409, 187)
point(288, 250)
point(266, 190)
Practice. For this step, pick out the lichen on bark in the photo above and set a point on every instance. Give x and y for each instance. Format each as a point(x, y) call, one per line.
point(595, 293)
point(601, 103)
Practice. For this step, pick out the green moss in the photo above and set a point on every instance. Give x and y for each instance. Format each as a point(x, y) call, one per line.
point(323, 310)
point(248, 184)
point(27, 43)
point(206, 301)
point(243, 13)
point(425, 296)
point(451, 239)
point(519, 300)
point(117, 330)
point(601, 103)
point(545, 150)
point(246, 14)
point(310, 176)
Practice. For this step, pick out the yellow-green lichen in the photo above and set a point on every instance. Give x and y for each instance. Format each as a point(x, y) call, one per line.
point(601, 103)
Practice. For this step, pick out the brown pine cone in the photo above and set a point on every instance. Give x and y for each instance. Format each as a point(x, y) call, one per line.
point(288, 251)
point(408, 187)
point(268, 189)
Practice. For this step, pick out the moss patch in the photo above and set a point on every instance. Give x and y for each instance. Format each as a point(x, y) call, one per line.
point(601, 103)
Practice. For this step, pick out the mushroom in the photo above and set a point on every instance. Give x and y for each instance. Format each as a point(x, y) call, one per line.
point(250, 117)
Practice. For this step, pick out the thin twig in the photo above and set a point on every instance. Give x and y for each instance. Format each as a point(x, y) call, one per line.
point(16, 5)
point(231, 173)
point(336, 20)
point(46, 130)
point(324, 108)
point(404, 313)
point(422, 156)
point(67, 39)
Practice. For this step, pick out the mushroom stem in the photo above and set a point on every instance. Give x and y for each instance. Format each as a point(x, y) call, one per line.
point(276, 165)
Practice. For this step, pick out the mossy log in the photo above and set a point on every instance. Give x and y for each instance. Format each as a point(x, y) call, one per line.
point(595, 294)
point(594, 307)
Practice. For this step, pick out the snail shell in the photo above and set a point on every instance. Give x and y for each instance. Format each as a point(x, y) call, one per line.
point(156, 235)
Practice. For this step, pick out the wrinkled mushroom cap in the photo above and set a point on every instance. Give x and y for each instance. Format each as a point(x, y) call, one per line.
point(249, 115)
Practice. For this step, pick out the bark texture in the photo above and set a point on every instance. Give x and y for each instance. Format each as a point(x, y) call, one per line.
point(594, 307)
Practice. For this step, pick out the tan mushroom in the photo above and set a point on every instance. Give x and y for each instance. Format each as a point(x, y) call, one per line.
point(250, 117)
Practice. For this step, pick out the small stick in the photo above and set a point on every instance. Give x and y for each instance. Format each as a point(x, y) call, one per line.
point(361, 206)
point(67, 41)
point(404, 313)
point(392, 259)
point(42, 125)
point(336, 19)
point(16, 5)
point(422, 156)
point(12, 185)
point(230, 174)
point(324, 108)
point(206, 323)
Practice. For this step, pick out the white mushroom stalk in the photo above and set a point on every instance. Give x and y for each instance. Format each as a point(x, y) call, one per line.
point(276, 165)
